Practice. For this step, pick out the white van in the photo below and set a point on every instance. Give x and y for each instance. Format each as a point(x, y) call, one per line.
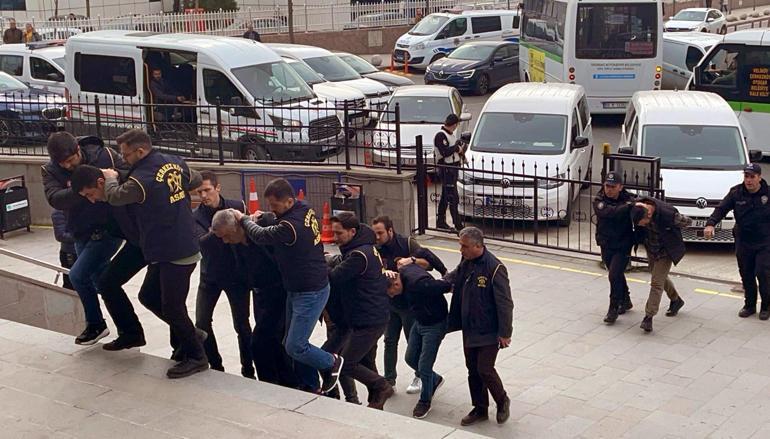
point(528, 129)
point(39, 65)
point(682, 51)
point(266, 110)
point(437, 35)
point(701, 148)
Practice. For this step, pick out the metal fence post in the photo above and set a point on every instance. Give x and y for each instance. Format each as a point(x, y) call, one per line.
point(346, 128)
point(422, 190)
point(97, 110)
point(536, 208)
point(219, 133)
point(398, 138)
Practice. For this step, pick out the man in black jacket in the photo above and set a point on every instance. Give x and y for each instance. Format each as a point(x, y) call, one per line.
point(425, 296)
point(482, 307)
point(360, 276)
point(218, 272)
point(67, 254)
point(615, 236)
point(750, 203)
point(87, 222)
point(449, 155)
point(659, 225)
point(393, 248)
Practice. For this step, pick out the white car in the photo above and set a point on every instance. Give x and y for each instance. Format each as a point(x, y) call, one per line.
point(38, 65)
point(422, 111)
point(697, 20)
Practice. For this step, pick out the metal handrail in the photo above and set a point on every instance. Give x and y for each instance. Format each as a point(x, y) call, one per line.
point(59, 270)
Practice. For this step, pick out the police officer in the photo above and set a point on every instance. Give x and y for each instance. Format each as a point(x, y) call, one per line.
point(157, 195)
point(449, 153)
point(615, 236)
point(750, 203)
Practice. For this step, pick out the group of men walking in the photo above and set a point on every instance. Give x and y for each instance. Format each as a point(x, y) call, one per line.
point(132, 209)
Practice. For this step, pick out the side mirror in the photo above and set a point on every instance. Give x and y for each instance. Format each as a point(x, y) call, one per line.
point(579, 142)
point(466, 137)
point(466, 117)
point(626, 150)
point(755, 155)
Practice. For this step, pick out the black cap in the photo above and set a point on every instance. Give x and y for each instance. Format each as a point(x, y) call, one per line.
point(612, 178)
point(753, 168)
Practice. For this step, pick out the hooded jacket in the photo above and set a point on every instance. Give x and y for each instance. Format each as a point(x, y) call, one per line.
point(404, 247)
point(424, 294)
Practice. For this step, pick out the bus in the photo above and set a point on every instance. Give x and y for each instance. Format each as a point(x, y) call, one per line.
point(612, 48)
point(738, 69)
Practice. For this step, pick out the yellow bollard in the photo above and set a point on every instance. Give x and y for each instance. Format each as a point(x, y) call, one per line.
point(605, 148)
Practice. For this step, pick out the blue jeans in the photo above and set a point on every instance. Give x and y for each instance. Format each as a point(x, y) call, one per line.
point(303, 309)
point(421, 352)
point(93, 257)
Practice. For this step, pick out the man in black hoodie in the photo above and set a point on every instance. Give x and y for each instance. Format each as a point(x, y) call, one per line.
point(360, 276)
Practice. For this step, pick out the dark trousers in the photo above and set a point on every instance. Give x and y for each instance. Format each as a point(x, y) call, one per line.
point(399, 319)
point(754, 265)
point(449, 196)
point(482, 376)
point(67, 260)
point(337, 338)
point(164, 292)
point(238, 296)
point(271, 361)
point(359, 363)
point(616, 261)
point(126, 264)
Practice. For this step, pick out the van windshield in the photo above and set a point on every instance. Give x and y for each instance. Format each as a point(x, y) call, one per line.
point(694, 147)
point(428, 25)
point(273, 82)
point(523, 133)
point(332, 68)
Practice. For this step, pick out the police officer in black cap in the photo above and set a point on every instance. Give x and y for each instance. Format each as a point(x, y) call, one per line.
point(615, 236)
point(750, 205)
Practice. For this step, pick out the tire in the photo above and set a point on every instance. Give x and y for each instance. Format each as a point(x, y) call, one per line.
point(253, 152)
point(723, 31)
point(482, 85)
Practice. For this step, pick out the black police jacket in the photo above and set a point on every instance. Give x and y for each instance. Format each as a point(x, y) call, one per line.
point(424, 294)
point(360, 279)
point(752, 215)
point(258, 266)
point(613, 223)
point(481, 306)
point(670, 234)
point(405, 247)
point(218, 263)
point(83, 218)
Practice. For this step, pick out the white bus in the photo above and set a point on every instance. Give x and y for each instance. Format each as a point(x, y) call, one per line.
point(613, 48)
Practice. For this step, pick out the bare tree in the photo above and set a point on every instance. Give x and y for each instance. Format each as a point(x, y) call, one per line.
point(290, 5)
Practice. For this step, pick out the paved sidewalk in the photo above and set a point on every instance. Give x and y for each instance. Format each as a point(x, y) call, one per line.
point(705, 373)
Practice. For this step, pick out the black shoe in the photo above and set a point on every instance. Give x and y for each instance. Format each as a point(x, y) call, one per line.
point(92, 334)
point(438, 384)
point(476, 415)
point(379, 398)
point(458, 228)
point(504, 412)
point(187, 367)
point(334, 393)
point(353, 400)
point(764, 314)
point(612, 315)
point(626, 306)
point(746, 312)
point(179, 355)
point(248, 373)
point(330, 378)
point(674, 307)
point(442, 225)
point(421, 410)
point(218, 368)
point(646, 324)
point(125, 341)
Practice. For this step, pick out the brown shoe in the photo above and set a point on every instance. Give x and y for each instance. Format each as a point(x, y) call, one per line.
point(476, 415)
point(378, 401)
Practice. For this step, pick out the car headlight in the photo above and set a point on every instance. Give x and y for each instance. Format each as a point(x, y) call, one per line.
point(286, 124)
point(418, 46)
point(551, 184)
point(466, 73)
point(428, 70)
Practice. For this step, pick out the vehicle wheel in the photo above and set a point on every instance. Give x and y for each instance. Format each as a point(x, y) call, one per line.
point(482, 86)
point(254, 152)
point(723, 31)
point(437, 57)
point(704, 30)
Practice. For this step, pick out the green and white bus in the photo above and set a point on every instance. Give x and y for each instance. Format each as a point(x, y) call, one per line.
point(613, 48)
point(738, 69)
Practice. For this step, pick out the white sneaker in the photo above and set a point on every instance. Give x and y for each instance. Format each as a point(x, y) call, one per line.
point(415, 387)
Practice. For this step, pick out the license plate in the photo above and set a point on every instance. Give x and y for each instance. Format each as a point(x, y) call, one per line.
point(701, 223)
point(516, 202)
point(614, 105)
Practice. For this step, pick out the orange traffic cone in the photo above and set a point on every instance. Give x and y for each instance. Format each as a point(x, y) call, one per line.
point(327, 237)
point(301, 195)
point(253, 196)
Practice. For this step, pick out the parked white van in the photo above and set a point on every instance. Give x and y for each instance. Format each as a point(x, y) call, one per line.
point(528, 129)
point(701, 148)
point(682, 51)
point(437, 35)
point(267, 111)
point(38, 65)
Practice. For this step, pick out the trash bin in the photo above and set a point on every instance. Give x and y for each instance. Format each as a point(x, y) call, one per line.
point(348, 198)
point(14, 205)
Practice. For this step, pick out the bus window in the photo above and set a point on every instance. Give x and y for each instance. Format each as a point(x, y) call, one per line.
point(756, 74)
point(616, 31)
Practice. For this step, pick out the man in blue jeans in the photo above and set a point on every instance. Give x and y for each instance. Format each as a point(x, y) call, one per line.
point(292, 230)
point(425, 296)
point(86, 221)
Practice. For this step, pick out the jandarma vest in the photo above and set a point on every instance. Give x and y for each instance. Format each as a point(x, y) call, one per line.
point(164, 218)
point(301, 262)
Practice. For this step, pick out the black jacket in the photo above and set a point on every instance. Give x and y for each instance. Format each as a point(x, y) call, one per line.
point(61, 233)
point(752, 215)
point(360, 282)
point(424, 294)
point(162, 93)
point(613, 224)
point(218, 262)
point(257, 264)
point(482, 306)
point(404, 247)
point(668, 222)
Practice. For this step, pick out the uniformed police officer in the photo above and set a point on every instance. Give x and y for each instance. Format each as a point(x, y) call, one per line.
point(157, 195)
point(749, 202)
point(449, 153)
point(615, 236)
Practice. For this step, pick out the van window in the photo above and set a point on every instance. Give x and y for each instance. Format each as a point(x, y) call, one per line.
point(630, 115)
point(575, 130)
point(12, 65)
point(486, 24)
point(634, 136)
point(41, 69)
point(721, 68)
point(218, 86)
point(585, 117)
point(455, 28)
point(516, 21)
point(694, 56)
point(113, 75)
